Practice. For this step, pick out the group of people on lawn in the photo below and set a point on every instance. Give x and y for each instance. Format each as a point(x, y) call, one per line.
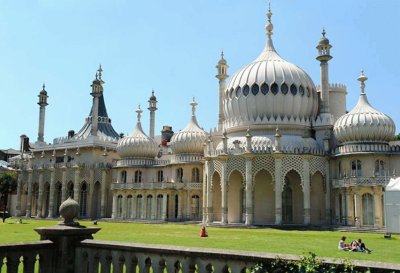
point(356, 245)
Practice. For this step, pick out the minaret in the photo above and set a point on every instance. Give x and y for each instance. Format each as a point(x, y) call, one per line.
point(152, 108)
point(97, 91)
point(324, 57)
point(42, 112)
point(222, 69)
point(362, 78)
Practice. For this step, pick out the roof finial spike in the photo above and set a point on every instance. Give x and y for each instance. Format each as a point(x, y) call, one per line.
point(269, 27)
point(222, 54)
point(193, 104)
point(362, 78)
point(100, 70)
point(97, 76)
point(44, 87)
point(323, 32)
point(139, 113)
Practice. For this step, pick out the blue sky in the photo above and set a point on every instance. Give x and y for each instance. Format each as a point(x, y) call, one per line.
point(173, 47)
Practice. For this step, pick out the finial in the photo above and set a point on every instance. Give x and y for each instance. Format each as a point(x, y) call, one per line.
point(222, 54)
point(362, 78)
point(44, 87)
point(193, 104)
point(139, 113)
point(323, 32)
point(100, 70)
point(152, 92)
point(269, 27)
point(97, 76)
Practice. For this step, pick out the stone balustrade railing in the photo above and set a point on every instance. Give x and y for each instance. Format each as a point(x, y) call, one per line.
point(25, 257)
point(360, 181)
point(156, 185)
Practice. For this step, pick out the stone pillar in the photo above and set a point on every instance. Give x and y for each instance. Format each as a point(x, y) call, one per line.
point(134, 201)
point(278, 189)
point(224, 191)
point(349, 208)
point(179, 206)
point(328, 216)
point(103, 193)
point(164, 207)
point(123, 205)
point(249, 190)
point(144, 205)
point(64, 185)
point(40, 195)
point(205, 190)
point(344, 207)
point(378, 207)
point(306, 191)
point(90, 190)
point(357, 210)
point(76, 183)
point(29, 197)
point(154, 206)
point(188, 204)
point(114, 207)
point(52, 192)
point(209, 217)
point(19, 193)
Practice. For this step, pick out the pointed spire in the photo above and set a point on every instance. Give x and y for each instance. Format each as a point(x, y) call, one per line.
point(362, 78)
point(193, 104)
point(269, 27)
point(139, 113)
point(100, 70)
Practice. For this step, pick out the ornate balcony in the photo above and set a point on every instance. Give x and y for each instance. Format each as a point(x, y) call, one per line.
point(157, 186)
point(360, 181)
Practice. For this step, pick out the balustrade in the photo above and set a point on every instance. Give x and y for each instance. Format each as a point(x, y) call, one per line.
point(361, 181)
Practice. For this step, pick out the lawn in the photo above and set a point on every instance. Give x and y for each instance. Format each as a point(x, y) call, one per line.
point(322, 243)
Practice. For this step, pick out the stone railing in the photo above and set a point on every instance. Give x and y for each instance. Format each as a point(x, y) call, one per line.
point(156, 186)
point(25, 257)
point(360, 181)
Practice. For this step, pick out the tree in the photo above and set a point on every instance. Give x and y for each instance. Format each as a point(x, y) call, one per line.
point(8, 184)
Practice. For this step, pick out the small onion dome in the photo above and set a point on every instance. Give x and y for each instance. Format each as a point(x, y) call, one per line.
point(324, 41)
point(222, 61)
point(190, 140)
point(364, 123)
point(153, 97)
point(43, 91)
point(137, 144)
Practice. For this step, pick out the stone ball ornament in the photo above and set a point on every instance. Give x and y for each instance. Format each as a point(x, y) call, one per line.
point(69, 210)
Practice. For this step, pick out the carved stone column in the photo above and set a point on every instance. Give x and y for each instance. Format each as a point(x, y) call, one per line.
point(349, 207)
point(278, 188)
point(64, 185)
point(224, 190)
point(164, 207)
point(103, 193)
point(357, 209)
point(19, 193)
point(40, 195)
point(114, 207)
point(249, 189)
point(52, 192)
point(29, 197)
point(205, 190)
point(306, 191)
point(76, 183)
point(378, 207)
point(210, 211)
point(328, 216)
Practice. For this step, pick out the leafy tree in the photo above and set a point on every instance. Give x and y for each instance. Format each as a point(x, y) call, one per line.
point(8, 184)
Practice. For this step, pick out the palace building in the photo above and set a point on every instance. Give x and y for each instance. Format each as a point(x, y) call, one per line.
point(284, 151)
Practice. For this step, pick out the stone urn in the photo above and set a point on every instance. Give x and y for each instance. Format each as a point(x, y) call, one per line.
point(69, 210)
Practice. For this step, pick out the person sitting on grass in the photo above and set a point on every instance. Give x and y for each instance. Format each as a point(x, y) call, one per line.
point(362, 248)
point(342, 245)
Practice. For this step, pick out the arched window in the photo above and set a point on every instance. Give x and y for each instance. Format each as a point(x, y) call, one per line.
point(138, 176)
point(123, 177)
point(368, 209)
point(284, 88)
point(129, 206)
point(301, 90)
point(246, 90)
point(379, 168)
point(83, 200)
point(238, 91)
point(160, 176)
point(195, 207)
point(340, 169)
point(71, 190)
point(274, 88)
point(179, 175)
point(254, 89)
point(264, 88)
point(149, 206)
point(139, 205)
point(293, 89)
point(356, 168)
point(195, 175)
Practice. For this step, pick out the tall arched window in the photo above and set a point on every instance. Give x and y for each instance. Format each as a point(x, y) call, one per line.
point(149, 206)
point(83, 200)
point(123, 176)
point(160, 176)
point(356, 168)
point(138, 176)
point(71, 190)
point(368, 209)
point(139, 205)
point(179, 175)
point(195, 175)
point(379, 168)
point(195, 207)
point(129, 206)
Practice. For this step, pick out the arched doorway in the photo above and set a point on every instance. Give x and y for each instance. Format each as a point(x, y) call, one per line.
point(235, 197)
point(195, 207)
point(129, 206)
point(139, 205)
point(149, 206)
point(24, 198)
point(58, 198)
point(46, 200)
point(292, 199)
point(264, 199)
point(34, 200)
point(83, 199)
point(216, 197)
point(317, 199)
point(368, 209)
point(70, 191)
point(159, 206)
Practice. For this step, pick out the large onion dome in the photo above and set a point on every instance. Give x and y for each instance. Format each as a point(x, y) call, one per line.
point(269, 91)
point(137, 144)
point(364, 123)
point(190, 140)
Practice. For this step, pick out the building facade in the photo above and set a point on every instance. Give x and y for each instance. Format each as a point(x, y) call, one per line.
point(284, 151)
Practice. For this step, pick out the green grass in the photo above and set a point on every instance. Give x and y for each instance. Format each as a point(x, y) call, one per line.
point(322, 243)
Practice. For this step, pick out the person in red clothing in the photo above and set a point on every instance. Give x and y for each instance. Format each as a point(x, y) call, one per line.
point(203, 232)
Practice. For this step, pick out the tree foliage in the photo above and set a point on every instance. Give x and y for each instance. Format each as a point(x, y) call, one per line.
point(8, 184)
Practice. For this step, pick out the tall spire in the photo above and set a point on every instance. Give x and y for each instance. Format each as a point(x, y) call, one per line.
point(193, 104)
point(42, 112)
point(152, 108)
point(99, 73)
point(362, 78)
point(139, 114)
point(324, 57)
point(222, 75)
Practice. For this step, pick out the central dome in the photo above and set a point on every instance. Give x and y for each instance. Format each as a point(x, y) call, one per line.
point(269, 91)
